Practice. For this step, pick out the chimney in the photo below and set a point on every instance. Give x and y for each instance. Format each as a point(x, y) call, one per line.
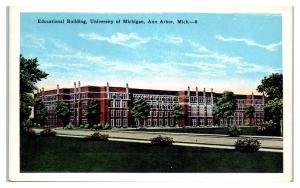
point(57, 89)
point(107, 90)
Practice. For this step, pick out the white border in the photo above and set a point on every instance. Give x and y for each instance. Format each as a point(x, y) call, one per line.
point(14, 51)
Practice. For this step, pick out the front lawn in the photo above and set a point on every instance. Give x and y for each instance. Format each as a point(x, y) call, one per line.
point(59, 154)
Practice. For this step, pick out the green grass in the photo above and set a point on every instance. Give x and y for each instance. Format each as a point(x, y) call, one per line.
point(217, 130)
point(58, 154)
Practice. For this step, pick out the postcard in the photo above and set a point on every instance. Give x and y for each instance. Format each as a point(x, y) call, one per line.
point(150, 95)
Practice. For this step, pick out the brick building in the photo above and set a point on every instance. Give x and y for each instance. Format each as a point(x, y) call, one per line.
point(116, 102)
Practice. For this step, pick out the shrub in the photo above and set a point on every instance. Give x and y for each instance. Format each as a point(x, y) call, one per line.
point(69, 126)
point(98, 127)
point(29, 131)
point(247, 145)
point(234, 130)
point(47, 132)
point(248, 124)
point(162, 140)
point(108, 126)
point(97, 136)
point(87, 126)
point(267, 128)
point(81, 126)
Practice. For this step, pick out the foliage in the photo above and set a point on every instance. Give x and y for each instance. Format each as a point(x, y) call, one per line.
point(27, 123)
point(98, 126)
point(30, 74)
point(41, 112)
point(162, 141)
point(87, 126)
point(140, 110)
point(234, 130)
point(69, 126)
point(247, 145)
point(97, 136)
point(266, 128)
point(93, 111)
point(81, 126)
point(225, 107)
point(29, 131)
point(248, 125)
point(108, 126)
point(178, 112)
point(63, 112)
point(272, 87)
point(47, 132)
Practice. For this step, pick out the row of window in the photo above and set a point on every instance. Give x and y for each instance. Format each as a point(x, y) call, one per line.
point(200, 99)
point(118, 113)
point(148, 97)
point(118, 95)
point(118, 104)
point(201, 122)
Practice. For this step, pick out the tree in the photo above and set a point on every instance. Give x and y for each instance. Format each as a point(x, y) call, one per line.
point(272, 88)
point(250, 110)
point(140, 110)
point(63, 112)
point(178, 113)
point(41, 112)
point(93, 111)
point(30, 74)
point(225, 107)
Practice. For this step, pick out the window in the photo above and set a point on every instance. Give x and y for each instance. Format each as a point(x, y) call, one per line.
point(118, 114)
point(124, 104)
point(112, 122)
point(201, 122)
point(154, 113)
point(194, 122)
point(209, 122)
point(124, 113)
point(166, 122)
point(118, 122)
point(117, 103)
point(112, 104)
point(155, 122)
point(171, 122)
point(160, 122)
point(161, 114)
point(112, 113)
point(124, 122)
point(149, 122)
point(201, 109)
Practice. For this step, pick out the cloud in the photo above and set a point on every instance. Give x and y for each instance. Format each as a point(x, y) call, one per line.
point(31, 41)
point(198, 47)
point(131, 40)
point(269, 47)
point(175, 40)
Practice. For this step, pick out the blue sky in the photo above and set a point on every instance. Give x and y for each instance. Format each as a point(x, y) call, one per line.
point(223, 51)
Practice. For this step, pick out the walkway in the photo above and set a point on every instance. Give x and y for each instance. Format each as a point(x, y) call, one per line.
point(272, 144)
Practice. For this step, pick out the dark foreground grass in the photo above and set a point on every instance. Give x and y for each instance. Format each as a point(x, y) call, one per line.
point(58, 154)
point(212, 130)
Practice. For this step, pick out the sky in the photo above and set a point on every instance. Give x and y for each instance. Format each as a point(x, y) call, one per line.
point(221, 51)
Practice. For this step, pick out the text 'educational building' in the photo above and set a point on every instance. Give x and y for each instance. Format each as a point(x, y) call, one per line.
point(116, 103)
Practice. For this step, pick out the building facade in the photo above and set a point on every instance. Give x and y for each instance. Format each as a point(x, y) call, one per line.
point(115, 104)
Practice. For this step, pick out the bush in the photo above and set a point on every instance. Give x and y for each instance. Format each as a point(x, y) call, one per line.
point(162, 141)
point(47, 132)
point(87, 126)
point(97, 136)
point(69, 126)
point(108, 126)
point(29, 131)
point(234, 130)
point(81, 126)
point(98, 127)
point(267, 128)
point(247, 145)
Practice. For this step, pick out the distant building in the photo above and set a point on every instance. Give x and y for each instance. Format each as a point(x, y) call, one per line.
point(116, 102)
